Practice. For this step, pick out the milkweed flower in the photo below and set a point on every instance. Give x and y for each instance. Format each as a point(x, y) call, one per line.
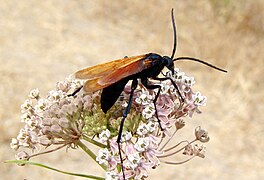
point(59, 120)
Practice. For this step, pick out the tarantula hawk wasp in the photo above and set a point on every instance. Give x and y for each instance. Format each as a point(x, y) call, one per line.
point(111, 77)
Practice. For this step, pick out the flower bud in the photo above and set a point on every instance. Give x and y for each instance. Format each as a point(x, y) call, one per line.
point(180, 123)
point(201, 134)
point(22, 156)
point(34, 94)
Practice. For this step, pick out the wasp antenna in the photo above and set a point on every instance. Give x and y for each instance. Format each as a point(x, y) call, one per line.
point(174, 34)
point(200, 61)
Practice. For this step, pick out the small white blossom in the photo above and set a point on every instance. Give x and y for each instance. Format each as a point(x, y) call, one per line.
point(26, 106)
point(41, 105)
point(179, 77)
point(144, 98)
point(22, 156)
point(63, 86)
point(103, 156)
point(126, 136)
point(199, 99)
point(133, 160)
point(111, 175)
point(32, 123)
point(164, 87)
point(34, 94)
point(152, 125)
point(189, 81)
point(24, 117)
point(104, 135)
point(148, 111)
point(142, 144)
point(14, 144)
point(75, 83)
point(55, 95)
point(142, 130)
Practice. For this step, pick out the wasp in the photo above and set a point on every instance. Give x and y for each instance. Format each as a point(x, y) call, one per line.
point(112, 77)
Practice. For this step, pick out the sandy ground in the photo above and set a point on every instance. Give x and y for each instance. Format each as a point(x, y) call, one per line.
point(42, 42)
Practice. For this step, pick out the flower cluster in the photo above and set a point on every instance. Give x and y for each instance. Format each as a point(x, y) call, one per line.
point(61, 120)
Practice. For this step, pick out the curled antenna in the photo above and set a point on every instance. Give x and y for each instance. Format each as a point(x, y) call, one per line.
point(174, 34)
point(200, 61)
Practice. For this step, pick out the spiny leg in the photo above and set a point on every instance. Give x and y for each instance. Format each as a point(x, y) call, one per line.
point(145, 83)
point(173, 83)
point(133, 87)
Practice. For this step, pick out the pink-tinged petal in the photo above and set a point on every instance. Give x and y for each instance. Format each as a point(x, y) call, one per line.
point(164, 111)
point(151, 156)
point(143, 169)
point(163, 119)
point(113, 146)
point(165, 100)
point(128, 174)
point(154, 139)
point(130, 149)
point(190, 108)
point(112, 162)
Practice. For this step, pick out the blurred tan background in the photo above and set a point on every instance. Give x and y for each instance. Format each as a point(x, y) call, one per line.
point(42, 42)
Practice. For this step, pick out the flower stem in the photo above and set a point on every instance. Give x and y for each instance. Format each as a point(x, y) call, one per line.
point(46, 152)
point(93, 142)
point(168, 140)
point(90, 153)
point(54, 169)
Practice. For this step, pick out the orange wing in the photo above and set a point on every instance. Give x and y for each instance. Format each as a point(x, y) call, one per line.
point(103, 75)
point(105, 69)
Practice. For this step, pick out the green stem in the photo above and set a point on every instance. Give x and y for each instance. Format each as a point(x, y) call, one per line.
point(90, 153)
point(93, 142)
point(54, 169)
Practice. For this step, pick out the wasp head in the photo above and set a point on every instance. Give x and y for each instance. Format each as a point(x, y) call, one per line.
point(169, 63)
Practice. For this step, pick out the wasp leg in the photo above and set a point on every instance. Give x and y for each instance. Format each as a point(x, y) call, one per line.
point(76, 91)
point(133, 87)
point(145, 83)
point(173, 83)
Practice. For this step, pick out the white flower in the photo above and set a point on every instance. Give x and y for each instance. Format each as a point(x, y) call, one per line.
point(178, 76)
point(34, 94)
point(142, 130)
point(63, 86)
point(26, 106)
point(23, 155)
point(144, 97)
point(75, 83)
point(42, 103)
point(126, 136)
point(55, 95)
point(189, 81)
point(25, 117)
point(32, 123)
point(152, 125)
point(169, 73)
point(103, 156)
point(164, 87)
point(199, 99)
point(149, 111)
point(104, 135)
point(142, 144)
point(111, 175)
point(14, 144)
point(133, 160)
